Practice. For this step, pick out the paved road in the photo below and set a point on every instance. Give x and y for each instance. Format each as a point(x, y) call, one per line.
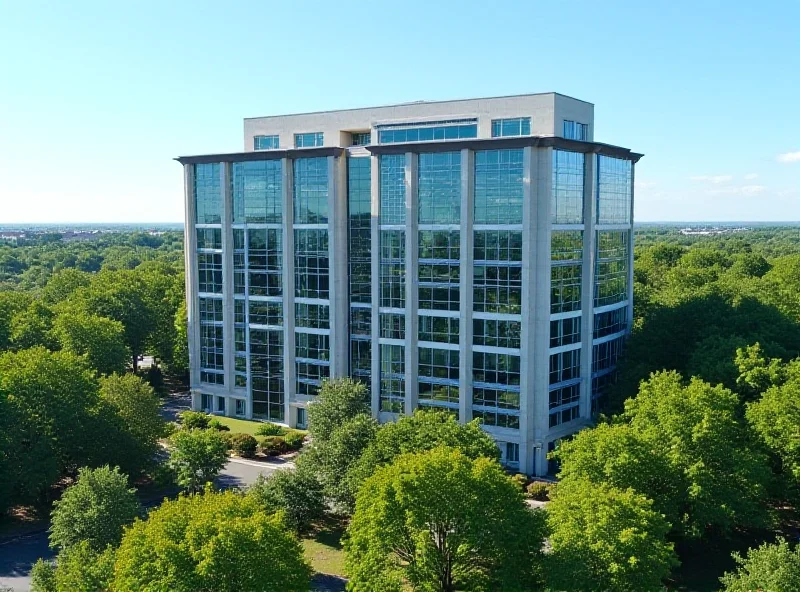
point(18, 555)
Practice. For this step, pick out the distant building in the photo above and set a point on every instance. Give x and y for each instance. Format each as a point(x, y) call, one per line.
point(471, 255)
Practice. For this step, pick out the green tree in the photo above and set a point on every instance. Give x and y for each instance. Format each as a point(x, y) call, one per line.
point(43, 577)
point(62, 284)
point(94, 510)
point(180, 350)
point(338, 401)
point(441, 521)
point(696, 428)
point(298, 494)
point(213, 541)
point(101, 340)
point(138, 410)
point(197, 457)
point(605, 538)
point(768, 567)
point(31, 327)
point(776, 419)
point(80, 568)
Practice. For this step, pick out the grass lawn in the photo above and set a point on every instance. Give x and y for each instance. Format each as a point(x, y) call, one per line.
point(240, 426)
point(323, 548)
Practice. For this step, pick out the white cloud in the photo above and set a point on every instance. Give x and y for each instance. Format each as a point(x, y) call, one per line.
point(789, 157)
point(751, 176)
point(716, 179)
point(742, 190)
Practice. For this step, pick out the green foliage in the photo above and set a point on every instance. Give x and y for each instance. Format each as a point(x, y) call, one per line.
point(270, 429)
point(243, 444)
point(94, 510)
point(539, 491)
point(425, 430)
point(80, 568)
point(441, 521)
point(331, 459)
point(695, 428)
point(31, 327)
point(101, 340)
point(194, 420)
point(197, 457)
point(63, 284)
point(769, 567)
point(294, 439)
point(273, 445)
point(337, 401)
point(43, 577)
point(216, 424)
point(223, 542)
point(776, 419)
point(605, 538)
point(298, 494)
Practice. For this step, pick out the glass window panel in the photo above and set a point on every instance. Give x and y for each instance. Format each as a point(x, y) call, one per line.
point(265, 143)
point(498, 187)
point(393, 189)
point(611, 267)
point(314, 316)
point(308, 140)
point(311, 271)
point(439, 188)
point(393, 269)
point(257, 189)
point(438, 329)
point(311, 190)
point(207, 193)
point(497, 332)
point(614, 190)
point(565, 331)
point(565, 366)
point(359, 231)
point(568, 172)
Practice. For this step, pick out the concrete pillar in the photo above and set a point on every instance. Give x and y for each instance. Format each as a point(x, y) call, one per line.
point(466, 248)
point(375, 271)
point(412, 283)
point(587, 281)
point(228, 337)
point(630, 256)
point(289, 370)
point(190, 258)
point(338, 258)
point(527, 345)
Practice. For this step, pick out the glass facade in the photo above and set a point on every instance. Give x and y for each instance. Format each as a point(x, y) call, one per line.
point(360, 138)
point(576, 131)
point(257, 189)
point(359, 178)
point(439, 188)
point(432, 131)
point(568, 170)
point(611, 267)
point(265, 143)
point(517, 126)
point(308, 140)
point(498, 187)
point(614, 190)
point(393, 189)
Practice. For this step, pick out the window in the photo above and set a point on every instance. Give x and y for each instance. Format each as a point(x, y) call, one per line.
point(497, 288)
point(265, 142)
point(212, 363)
point(566, 245)
point(496, 332)
point(314, 316)
point(565, 404)
point(605, 355)
point(360, 233)
point(302, 422)
point(310, 376)
point(611, 268)
point(438, 329)
point(511, 456)
point(392, 363)
point(209, 273)
point(240, 407)
point(439, 269)
point(439, 364)
point(265, 261)
point(360, 357)
point(438, 395)
point(266, 369)
point(210, 310)
point(495, 369)
point(360, 321)
point(498, 187)
point(565, 288)
point(311, 190)
point(565, 331)
point(205, 402)
point(257, 189)
point(564, 416)
point(613, 190)
point(517, 126)
point(220, 404)
point(568, 170)
point(209, 238)
point(439, 188)
point(393, 269)
point(312, 346)
point(393, 326)
point(498, 245)
point(576, 131)
point(207, 191)
point(393, 189)
point(430, 131)
point(496, 406)
point(610, 322)
point(360, 138)
point(311, 270)
point(308, 140)
point(565, 366)
point(266, 313)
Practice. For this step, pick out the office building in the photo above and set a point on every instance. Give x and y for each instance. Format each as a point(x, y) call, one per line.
point(472, 255)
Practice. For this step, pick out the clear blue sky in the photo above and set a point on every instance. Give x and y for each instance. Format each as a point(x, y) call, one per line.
point(96, 98)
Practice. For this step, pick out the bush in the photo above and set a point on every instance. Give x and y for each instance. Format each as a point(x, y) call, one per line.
point(270, 429)
point(43, 577)
point(216, 424)
point(243, 444)
point(191, 420)
point(539, 491)
point(227, 438)
point(298, 493)
point(520, 481)
point(294, 439)
point(274, 445)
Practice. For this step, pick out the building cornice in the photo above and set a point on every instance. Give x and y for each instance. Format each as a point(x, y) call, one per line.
point(261, 155)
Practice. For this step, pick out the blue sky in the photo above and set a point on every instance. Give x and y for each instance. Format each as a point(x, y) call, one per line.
point(96, 98)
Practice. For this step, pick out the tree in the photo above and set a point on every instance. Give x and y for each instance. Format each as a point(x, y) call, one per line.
point(768, 567)
point(31, 327)
point(425, 430)
point(139, 411)
point(623, 458)
point(43, 577)
point(63, 283)
point(605, 538)
point(180, 350)
point(695, 427)
point(94, 510)
point(441, 521)
point(338, 401)
point(80, 568)
point(213, 541)
point(298, 494)
point(776, 419)
point(197, 457)
point(329, 460)
point(101, 340)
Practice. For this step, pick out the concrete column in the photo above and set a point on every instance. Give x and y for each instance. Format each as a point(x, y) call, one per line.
point(228, 336)
point(338, 258)
point(587, 281)
point(527, 345)
point(466, 247)
point(543, 180)
point(630, 256)
point(412, 283)
point(190, 258)
point(289, 370)
point(375, 272)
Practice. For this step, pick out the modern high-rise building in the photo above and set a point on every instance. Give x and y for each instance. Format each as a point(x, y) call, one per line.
point(472, 255)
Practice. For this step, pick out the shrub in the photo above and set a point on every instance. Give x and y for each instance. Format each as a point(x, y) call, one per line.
point(191, 420)
point(226, 437)
point(274, 445)
point(539, 491)
point(216, 424)
point(270, 429)
point(243, 444)
point(520, 480)
point(43, 577)
point(298, 493)
point(294, 439)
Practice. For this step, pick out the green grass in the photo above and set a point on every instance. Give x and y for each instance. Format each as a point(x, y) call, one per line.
point(239, 426)
point(323, 549)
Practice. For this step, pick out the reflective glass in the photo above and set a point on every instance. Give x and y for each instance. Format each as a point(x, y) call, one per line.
point(438, 329)
point(308, 140)
point(439, 188)
point(498, 187)
point(359, 236)
point(257, 189)
point(393, 189)
point(311, 268)
point(567, 203)
point(611, 268)
point(497, 332)
point(265, 261)
point(265, 142)
point(614, 190)
point(393, 269)
point(311, 190)
point(207, 193)
point(517, 126)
